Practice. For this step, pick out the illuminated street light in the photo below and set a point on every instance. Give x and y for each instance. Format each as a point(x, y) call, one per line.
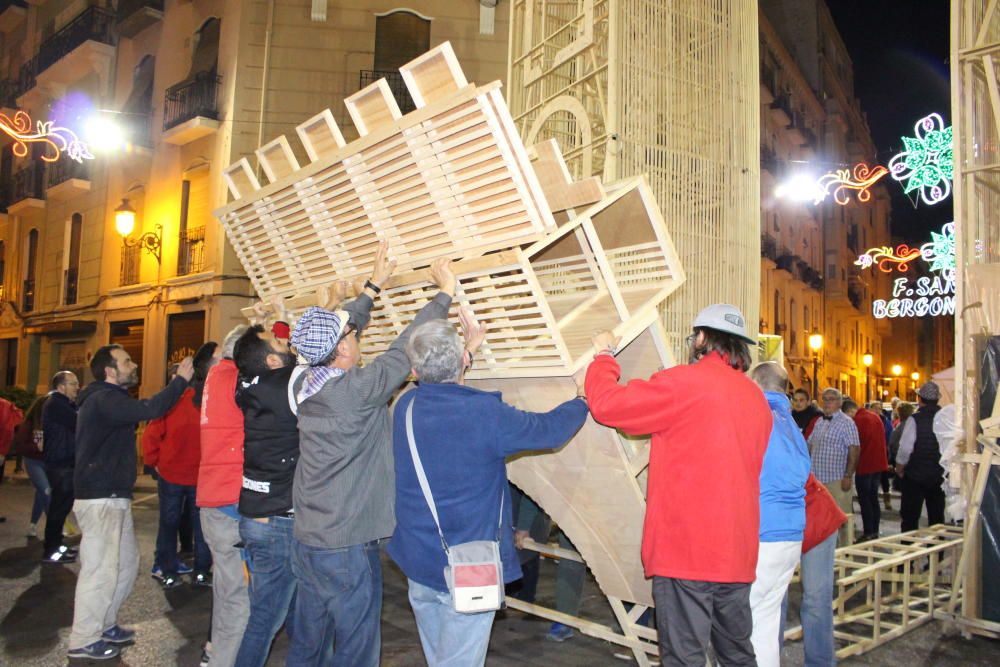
point(867, 360)
point(815, 344)
point(800, 187)
point(897, 370)
point(125, 225)
point(124, 219)
point(104, 133)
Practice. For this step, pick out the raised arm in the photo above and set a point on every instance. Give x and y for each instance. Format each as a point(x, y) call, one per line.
point(127, 410)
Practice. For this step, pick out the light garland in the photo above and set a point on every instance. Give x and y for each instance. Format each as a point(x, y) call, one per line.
point(940, 251)
point(886, 257)
point(859, 179)
point(927, 164)
point(56, 140)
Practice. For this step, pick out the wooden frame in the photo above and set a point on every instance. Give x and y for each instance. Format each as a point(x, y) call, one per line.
point(889, 586)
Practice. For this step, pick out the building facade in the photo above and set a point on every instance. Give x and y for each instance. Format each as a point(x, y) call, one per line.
point(194, 85)
point(813, 124)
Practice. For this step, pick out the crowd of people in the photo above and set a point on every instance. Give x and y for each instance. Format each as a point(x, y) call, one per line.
point(278, 447)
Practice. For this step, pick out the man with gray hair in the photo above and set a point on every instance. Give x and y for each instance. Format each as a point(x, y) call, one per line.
point(835, 447)
point(343, 487)
point(782, 513)
point(462, 437)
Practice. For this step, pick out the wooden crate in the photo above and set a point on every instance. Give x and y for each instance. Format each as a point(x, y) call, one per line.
point(450, 178)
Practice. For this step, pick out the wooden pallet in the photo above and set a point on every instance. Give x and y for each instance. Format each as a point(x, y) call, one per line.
point(889, 586)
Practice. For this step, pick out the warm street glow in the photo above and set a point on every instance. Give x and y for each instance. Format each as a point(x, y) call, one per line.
point(897, 370)
point(124, 218)
point(103, 133)
point(867, 359)
point(915, 375)
point(816, 342)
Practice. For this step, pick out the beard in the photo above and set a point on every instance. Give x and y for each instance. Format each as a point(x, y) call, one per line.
point(287, 358)
point(132, 379)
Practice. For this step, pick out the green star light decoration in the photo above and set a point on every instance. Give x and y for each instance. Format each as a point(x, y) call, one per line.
point(927, 165)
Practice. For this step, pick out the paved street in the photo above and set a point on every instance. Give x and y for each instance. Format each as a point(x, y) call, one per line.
point(36, 609)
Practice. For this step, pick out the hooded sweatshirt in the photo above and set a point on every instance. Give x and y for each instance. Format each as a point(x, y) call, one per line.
point(105, 436)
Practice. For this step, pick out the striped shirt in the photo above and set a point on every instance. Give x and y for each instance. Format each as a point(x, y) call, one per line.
point(829, 445)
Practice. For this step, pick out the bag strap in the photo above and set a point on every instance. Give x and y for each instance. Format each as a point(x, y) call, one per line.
point(425, 486)
point(421, 476)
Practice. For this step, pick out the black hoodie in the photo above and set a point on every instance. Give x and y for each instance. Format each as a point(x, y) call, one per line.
point(105, 436)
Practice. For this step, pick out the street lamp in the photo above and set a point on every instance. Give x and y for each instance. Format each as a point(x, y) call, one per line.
point(867, 360)
point(125, 224)
point(815, 344)
point(897, 370)
point(915, 376)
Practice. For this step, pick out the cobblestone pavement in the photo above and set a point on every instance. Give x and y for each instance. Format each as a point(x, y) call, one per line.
point(36, 611)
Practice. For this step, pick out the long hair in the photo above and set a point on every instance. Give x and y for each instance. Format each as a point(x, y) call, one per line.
point(734, 350)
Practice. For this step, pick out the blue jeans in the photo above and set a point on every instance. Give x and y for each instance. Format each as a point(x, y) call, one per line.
point(339, 605)
point(817, 604)
point(176, 499)
point(871, 510)
point(40, 480)
point(449, 639)
point(268, 549)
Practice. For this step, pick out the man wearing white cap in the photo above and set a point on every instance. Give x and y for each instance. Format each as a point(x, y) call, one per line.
point(700, 536)
point(918, 463)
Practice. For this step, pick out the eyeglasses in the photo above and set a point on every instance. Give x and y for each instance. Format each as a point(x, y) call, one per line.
point(690, 339)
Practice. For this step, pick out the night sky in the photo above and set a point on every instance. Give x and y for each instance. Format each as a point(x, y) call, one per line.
point(900, 51)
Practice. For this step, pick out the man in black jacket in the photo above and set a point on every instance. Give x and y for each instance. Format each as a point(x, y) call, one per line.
point(59, 428)
point(103, 479)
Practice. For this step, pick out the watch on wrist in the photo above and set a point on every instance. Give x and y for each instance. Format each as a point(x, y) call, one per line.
point(373, 287)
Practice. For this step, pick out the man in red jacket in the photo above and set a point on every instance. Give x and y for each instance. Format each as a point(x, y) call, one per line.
point(700, 536)
point(220, 477)
point(172, 445)
point(872, 462)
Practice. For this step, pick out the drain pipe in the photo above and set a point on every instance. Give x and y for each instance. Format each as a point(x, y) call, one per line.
point(264, 78)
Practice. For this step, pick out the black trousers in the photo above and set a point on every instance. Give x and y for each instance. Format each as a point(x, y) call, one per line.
point(60, 505)
point(915, 493)
point(690, 615)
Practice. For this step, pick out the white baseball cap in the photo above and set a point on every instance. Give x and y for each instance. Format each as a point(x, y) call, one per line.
point(725, 318)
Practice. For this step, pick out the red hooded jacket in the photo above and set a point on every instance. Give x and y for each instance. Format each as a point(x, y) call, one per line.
point(171, 443)
point(221, 472)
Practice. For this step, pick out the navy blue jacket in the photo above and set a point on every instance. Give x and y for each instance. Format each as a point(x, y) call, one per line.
point(59, 428)
point(463, 436)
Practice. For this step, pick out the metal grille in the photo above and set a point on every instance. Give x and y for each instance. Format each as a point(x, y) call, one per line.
point(192, 98)
point(191, 251)
point(71, 284)
point(28, 296)
point(396, 85)
point(130, 265)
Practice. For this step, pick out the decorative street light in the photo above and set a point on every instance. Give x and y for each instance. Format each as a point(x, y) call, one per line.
point(815, 344)
point(897, 370)
point(867, 360)
point(915, 376)
point(125, 224)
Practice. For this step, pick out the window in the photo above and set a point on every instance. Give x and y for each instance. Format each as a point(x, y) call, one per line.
point(195, 213)
point(138, 109)
point(74, 232)
point(400, 36)
point(31, 257)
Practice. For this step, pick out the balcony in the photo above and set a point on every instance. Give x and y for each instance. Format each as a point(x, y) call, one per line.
point(28, 296)
point(786, 261)
point(191, 109)
point(855, 297)
point(396, 84)
point(134, 16)
point(191, 252)
point(8, 95)
point(12, 12)
point(84, 45)
point(28, 190)
point(67, 179)
point(71, 283)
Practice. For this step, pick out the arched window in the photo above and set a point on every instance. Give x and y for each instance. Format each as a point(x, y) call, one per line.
point(400, 36)
point(138, 108)
point(74, 234)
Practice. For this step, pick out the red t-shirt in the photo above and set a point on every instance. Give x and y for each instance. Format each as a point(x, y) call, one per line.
point(871, 431)
point(172, 443)
point(710, 426)
point(220, 475)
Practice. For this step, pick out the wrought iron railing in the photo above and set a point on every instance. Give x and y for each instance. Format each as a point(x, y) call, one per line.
point(128, 7)
point(28, 183)
point(8, 93)
point(71, 282)
point(28, 296)
point(192, 98)
point(191, 251)
point(130, 265)
point(768, 247)
point(93, 23)
point(396, 85)
point(61, 171)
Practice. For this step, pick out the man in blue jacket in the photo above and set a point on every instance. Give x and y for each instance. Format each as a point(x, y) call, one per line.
point(782, 514)
point(59, 428)
point(463, 437)
point(102, 481)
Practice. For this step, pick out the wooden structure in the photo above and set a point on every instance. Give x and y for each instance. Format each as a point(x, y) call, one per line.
point(889, 586)
point(975, 50)
point(667, 89)
point(542, 259)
